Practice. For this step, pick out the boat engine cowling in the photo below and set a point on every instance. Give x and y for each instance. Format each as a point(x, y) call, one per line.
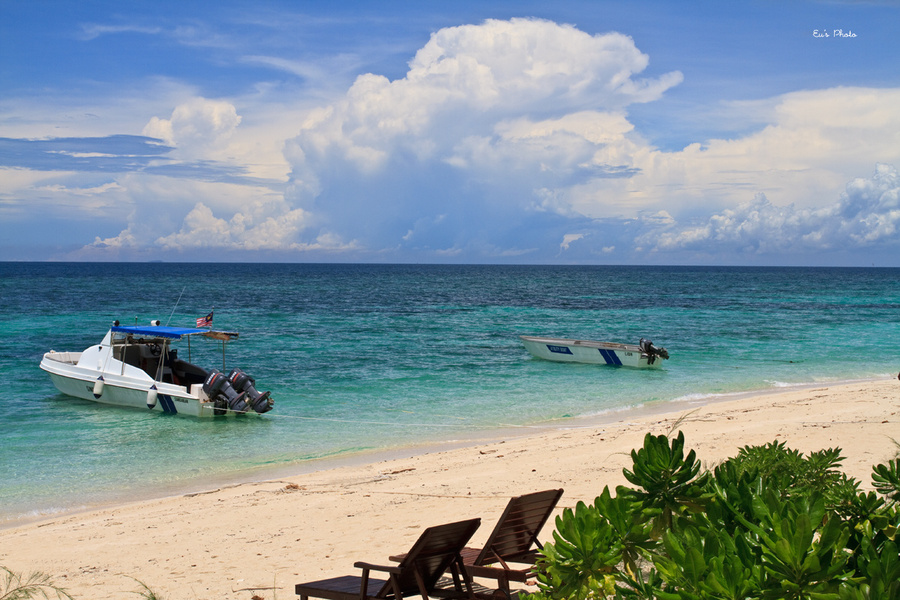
point(219, 388)
point(261, 402)
point(652, 351)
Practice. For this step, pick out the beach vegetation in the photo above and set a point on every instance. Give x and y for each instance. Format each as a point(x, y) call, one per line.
point(767, 523)
point(15, 586)
point(886, 479)
point(146, 592)
point(39, 585)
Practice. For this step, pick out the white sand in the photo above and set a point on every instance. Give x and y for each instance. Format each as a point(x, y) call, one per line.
point(262, 538)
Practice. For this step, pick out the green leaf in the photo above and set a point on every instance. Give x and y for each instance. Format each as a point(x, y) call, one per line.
point(886, 479)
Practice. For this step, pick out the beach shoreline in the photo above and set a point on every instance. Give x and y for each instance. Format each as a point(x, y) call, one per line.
point(281, 529)
point(480, 435)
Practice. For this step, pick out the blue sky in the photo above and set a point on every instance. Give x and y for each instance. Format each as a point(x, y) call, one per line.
point(583, 132)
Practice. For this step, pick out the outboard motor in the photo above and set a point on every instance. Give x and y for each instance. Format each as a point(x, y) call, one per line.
point(652, 351)
point(261, 402)
point(218, 387)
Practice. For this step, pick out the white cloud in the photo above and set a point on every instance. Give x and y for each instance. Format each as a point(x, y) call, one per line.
point(809, 145)
point(203, 215)
point(202, 229)
point(568, 239)
point(500, 140)
point(69, 196)
point(486, 117)
point(91, 31)
point(499, 123)
point(521, 63)
point(867, 213)
point(196, 128)
point(16, 182)
point(300, 68)
point(468, 79)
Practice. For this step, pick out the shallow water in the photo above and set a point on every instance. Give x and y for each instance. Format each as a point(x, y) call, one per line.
point(371, 357)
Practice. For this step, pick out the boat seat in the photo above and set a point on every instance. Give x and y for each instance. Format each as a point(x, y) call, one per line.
point(188, 373)
point(132, 356)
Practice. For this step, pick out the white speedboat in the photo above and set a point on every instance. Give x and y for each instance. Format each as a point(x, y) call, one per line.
point(136, 366)
point(643, 355)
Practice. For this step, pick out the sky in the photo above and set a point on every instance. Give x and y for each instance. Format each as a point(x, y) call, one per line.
point(572, 132)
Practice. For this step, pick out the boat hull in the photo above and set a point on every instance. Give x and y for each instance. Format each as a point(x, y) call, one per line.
point(590, 352)
point(132, 392)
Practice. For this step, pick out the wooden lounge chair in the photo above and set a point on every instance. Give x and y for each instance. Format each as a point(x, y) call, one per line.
point(436, 551)
point(513, 540)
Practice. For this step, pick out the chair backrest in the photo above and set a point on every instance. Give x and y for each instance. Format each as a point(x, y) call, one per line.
point(517, 530)
point(431, 556)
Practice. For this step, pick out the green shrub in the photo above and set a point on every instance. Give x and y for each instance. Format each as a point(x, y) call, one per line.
point(886, 479)
point(768, 523)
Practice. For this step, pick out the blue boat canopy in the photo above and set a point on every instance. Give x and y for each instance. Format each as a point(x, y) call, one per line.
point(174, 333)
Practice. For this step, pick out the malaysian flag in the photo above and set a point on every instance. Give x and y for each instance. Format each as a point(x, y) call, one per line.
point(205, 321)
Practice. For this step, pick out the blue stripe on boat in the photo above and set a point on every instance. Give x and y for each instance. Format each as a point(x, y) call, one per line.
point(610, 357)
point(167, 404)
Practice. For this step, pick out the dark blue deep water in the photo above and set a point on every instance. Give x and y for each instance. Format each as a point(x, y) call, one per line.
point(371, 357)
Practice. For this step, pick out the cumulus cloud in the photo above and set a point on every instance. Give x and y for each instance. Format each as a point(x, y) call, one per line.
point(524, 62)
point(191, 201)
point(867, 213)
point(519, 129)
point(178, 215)
point(203, 229)
point(486, 118)
point(805, 146)
point(197, 127)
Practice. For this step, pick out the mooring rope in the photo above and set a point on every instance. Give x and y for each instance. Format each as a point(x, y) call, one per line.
point(387, 423)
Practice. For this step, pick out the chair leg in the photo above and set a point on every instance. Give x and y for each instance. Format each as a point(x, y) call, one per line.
point(420, 582)
point(398, 593)
point(460, 568)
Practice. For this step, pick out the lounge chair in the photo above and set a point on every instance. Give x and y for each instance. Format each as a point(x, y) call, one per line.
point(513, 540)
point(436, 551)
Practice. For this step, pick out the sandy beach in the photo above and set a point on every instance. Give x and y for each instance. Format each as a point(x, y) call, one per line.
point(260, 538)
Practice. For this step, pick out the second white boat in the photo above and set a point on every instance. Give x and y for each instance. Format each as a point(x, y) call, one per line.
point(643, 355)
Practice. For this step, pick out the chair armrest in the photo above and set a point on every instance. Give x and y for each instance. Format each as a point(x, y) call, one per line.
point(520, 575)
point(371, 567)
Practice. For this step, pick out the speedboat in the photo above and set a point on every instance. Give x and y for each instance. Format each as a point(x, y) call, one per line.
point(136, 366)
point(643, 355)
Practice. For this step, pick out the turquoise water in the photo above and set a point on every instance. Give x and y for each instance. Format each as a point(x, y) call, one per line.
point(371, 357)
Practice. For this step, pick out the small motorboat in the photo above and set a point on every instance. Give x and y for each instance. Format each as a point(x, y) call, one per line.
point(643, 355)
point(136, 366)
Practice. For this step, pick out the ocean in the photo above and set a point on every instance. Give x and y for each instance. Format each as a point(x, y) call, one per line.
point(369, 359)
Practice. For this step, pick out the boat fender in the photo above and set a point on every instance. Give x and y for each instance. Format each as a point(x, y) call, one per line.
point(152, 393)
point(98, 387)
